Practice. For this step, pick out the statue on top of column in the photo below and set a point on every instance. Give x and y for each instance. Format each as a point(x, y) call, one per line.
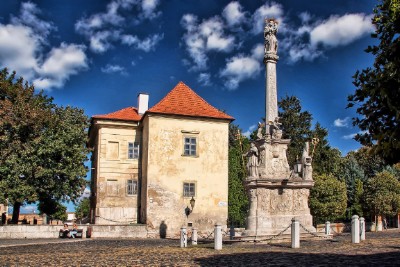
point(270, 30)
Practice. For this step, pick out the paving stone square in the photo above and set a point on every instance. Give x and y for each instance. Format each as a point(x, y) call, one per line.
point(380, 249)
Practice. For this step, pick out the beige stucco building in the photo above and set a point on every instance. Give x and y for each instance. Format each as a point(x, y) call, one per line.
point(147, 164)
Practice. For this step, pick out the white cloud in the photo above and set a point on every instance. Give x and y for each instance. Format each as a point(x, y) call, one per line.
point(304, 42)
point(342, 122)
point(349, 136)
point(149, 8)
point(104, 29)
point(113, 69)
point(146, 45)
point(61, 63)
point(204, 79)
point(233, 14)
point(202, 38)
point(342, 30)
point(240, 67)
point(22, 48)
point(250, 130)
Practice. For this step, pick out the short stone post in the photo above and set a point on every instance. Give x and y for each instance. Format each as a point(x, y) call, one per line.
point(194, 236)
point(362, 228)
point(295, 233)
point(217, 237)
point(355, 229)
point(183, 237)
point(327, 228)
point(231, 232)
point(44, 219)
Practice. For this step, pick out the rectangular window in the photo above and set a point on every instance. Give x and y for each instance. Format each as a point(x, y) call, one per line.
point(112, 187)
point(190, 146)
point(132, 187)
point(189, 189)
point(133, 150)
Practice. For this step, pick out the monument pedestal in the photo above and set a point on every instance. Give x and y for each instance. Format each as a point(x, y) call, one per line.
point(278, 194)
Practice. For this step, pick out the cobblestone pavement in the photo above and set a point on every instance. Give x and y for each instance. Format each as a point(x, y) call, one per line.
point(380, 249)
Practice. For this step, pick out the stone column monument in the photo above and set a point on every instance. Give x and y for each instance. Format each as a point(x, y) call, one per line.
point(276, 192)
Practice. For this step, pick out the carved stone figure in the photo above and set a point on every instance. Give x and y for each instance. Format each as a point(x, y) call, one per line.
point(259, 131)
point(252, 163)
point(271, 42)
point(276, 129)
point(306, 160)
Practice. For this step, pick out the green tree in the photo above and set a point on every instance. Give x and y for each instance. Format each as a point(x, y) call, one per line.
point(42, 146)
point(237, 198)
point(328, 198)
point(54, 209)
point(326, 160)
point(82, 210)
point(370, 163)
point(377, 93)
point(382, 194)
point(353, 175)
point(296, 126)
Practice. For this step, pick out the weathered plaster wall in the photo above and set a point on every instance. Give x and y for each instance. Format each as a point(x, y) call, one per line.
point(168, 169)
point(113, 204)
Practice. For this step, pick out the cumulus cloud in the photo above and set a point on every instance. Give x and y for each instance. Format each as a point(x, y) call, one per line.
point(104, 29)
point(113, 69)
point(310, 40)
point(240, 68)
point(337, 31)
point(342, 122)
point(22, 48)
point(202, 38)
point(204, 79)
point(233, 14)
point(146, 44)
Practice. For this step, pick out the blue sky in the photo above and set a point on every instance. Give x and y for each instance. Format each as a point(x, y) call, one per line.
point(98, 55)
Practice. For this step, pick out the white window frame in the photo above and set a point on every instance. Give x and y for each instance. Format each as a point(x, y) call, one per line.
point(133, 150)
point(189, 193)
point(132, 187)
point(190, 149)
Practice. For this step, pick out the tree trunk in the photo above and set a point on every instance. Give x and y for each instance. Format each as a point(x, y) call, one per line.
point(15, 215)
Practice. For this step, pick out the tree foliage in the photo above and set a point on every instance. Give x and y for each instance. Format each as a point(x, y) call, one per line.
point(238, 201)
point(377, 91)
point(82, 210)
point(54, 209)
point(328, 199)
point(296, 126)
point(42, 146)
point(382, 194)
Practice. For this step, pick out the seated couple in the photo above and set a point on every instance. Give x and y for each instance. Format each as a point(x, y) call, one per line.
point(66, 232)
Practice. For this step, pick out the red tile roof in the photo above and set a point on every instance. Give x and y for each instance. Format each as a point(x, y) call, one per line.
point(126, 114)
point(184, 101)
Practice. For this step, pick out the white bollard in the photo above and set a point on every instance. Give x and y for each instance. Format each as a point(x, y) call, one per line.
point(355, 229)
point(327, 228)
point(295, 233)
point(194, 236)
point(362, 228)
point(183, 237)
point(217, 237)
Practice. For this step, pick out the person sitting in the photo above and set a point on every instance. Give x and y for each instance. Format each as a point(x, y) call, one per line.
point(65, 231)
point(74, 231)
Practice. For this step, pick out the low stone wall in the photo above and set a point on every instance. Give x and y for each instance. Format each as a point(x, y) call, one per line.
point(119, 231)
point(52, 231)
